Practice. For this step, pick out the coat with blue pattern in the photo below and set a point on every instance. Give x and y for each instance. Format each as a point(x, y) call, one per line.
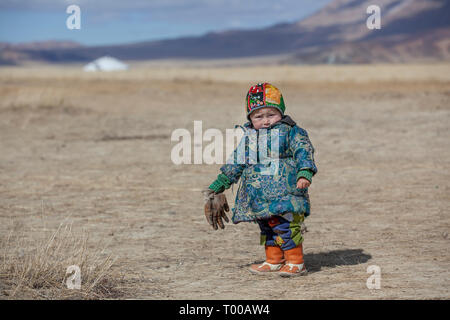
point(264, 192)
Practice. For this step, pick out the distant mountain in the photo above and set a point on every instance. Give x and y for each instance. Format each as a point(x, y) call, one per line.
point(411, 30)
point(11, 54)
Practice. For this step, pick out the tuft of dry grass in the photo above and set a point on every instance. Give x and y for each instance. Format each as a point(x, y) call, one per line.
point(30, 270)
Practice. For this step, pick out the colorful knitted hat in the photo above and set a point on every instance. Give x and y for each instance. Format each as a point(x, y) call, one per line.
point(264, 95)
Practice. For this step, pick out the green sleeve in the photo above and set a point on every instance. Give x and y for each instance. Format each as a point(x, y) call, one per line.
point(220, 184)
point(307, 174)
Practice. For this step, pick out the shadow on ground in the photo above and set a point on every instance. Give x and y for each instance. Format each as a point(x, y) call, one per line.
point(331, 259)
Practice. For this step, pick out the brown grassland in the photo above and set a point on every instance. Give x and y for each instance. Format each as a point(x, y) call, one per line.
point(86, 179)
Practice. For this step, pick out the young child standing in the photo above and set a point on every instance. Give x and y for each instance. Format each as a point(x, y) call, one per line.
point(277, 201)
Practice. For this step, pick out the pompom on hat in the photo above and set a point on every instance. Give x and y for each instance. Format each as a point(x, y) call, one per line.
point(264, 95)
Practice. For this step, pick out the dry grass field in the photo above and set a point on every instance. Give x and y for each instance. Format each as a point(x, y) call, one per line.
point(86, 179)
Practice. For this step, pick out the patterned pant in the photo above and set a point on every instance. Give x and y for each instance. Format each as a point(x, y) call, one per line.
point(282, 231)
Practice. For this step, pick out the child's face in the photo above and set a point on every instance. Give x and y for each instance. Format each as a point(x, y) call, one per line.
point(264, 117)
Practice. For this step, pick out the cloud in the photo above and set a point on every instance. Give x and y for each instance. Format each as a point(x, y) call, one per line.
point(226, 6)
point(157, 18)
point(225, 12)
point(112, 5)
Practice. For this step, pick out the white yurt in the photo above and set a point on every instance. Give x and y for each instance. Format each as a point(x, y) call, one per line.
point(105, 63)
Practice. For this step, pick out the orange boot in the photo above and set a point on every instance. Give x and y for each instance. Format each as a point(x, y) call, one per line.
point(274, 261)
point(295, 265)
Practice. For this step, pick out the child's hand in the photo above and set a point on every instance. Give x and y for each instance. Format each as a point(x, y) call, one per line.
point(303, 183)
point(215, 207)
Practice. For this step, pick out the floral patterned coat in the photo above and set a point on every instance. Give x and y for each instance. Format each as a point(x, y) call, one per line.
point(261, 195)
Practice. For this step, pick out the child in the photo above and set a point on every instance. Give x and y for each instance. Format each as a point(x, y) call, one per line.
point(278, 201)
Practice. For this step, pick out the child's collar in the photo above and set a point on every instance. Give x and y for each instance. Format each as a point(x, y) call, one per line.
point(284, 119)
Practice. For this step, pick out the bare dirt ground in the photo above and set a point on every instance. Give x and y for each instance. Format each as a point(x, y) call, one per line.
point(94, 150)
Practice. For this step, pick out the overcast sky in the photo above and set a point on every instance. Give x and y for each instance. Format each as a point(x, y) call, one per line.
point(110, 22)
